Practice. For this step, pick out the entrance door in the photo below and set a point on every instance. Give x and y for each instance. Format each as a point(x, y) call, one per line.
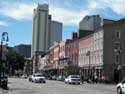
point(117, 75)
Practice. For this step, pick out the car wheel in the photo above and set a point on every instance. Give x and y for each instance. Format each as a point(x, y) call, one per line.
point(32, 81)
point(44, 82)
point(119, 91)
point(78, 83)
point(69, 83)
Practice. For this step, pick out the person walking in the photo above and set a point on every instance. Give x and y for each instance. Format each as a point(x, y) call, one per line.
point(82, 79)
point(96, 79)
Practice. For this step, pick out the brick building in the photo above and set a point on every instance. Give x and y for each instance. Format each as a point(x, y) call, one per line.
point(72, 49)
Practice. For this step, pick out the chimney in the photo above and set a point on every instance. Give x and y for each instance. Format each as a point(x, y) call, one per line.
point(74, 35)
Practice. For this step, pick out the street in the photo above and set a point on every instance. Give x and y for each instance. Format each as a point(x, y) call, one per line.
point(23, 86)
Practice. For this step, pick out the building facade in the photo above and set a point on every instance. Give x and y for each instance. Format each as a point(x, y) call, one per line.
point(72, 49)
point(104, 55)
point(63, 52)
point(114, 52)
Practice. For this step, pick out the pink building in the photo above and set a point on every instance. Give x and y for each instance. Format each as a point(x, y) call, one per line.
point(72, 49)
point(85, 56)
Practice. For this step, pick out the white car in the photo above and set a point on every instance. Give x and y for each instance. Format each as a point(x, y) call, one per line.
point(121, 87)
point(38, 78)
point(72, 79)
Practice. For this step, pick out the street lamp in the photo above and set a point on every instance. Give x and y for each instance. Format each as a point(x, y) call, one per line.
point(88, 54)
point(4, 38)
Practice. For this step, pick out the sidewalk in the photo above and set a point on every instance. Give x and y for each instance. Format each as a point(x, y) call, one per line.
point(0, 91)
point(100, 86)
point(3, 91)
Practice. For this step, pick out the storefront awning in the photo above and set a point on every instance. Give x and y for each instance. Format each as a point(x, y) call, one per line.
point(64, 58)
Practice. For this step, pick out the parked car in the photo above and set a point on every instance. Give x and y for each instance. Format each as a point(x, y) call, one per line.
point(38, 78)
point(121, 87)
point(72, 79)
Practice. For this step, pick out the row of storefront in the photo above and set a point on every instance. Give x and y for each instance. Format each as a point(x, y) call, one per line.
point(94, 54)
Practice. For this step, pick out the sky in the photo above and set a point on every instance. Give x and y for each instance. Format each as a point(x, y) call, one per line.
point(16, 15)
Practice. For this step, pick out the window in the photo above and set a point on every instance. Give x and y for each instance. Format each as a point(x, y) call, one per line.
point(117, 58)
point(118, 35)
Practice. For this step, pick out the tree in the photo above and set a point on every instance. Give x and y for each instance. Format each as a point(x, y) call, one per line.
point(15, 62)
point(71, 69)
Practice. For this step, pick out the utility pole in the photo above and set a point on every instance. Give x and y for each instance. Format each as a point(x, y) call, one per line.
point(88, 54)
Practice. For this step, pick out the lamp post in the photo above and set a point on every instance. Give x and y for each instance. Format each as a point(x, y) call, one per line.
point(88, 54)
point(4, 38)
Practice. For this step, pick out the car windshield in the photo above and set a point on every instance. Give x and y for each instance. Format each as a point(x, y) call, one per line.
point(75, 76)
point(38, 75)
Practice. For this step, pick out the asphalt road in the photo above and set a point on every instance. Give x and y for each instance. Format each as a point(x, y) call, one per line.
point(23, 86)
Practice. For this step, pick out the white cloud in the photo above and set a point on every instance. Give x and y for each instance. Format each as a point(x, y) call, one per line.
point(67, 16)
point(116, 5)
point(25, 11)
point(3, 23)
point(18, 11)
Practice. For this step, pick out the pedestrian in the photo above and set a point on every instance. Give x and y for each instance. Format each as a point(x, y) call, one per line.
point(82, 78)
point(103, 78)
point(93, 80)
point(96, 79)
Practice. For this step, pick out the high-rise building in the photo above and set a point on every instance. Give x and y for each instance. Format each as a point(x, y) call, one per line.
point(45, 32)
point(55, 32)
point(40, 29)
point(89, 23)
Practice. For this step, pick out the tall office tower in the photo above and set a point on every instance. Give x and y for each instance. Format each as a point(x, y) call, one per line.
point(89, 23)
point(40, 29)
point(45, 32)
point(55, 32)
